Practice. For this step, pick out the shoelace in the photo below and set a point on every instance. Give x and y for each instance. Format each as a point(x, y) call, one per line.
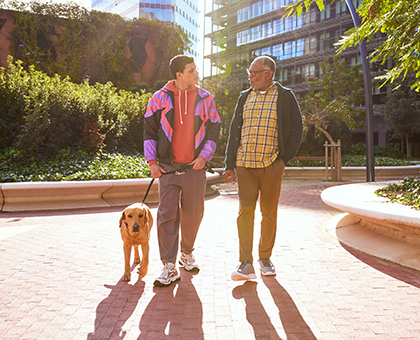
point(266, 263)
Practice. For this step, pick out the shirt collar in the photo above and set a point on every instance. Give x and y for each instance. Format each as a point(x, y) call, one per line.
point(264, 92)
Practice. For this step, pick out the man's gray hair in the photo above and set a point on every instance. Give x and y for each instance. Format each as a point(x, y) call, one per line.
point(267, 61)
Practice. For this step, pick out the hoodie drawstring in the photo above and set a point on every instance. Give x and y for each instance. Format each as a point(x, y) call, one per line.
point(186, 104)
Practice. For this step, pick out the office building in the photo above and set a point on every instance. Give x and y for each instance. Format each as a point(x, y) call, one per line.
point(236, 31)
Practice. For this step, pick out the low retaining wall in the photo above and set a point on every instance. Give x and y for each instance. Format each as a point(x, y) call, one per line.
point(381, 172)
point(373, 224)
point(86, 194)
point(79, 194)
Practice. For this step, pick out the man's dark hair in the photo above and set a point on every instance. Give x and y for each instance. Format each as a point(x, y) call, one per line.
point(177, 63)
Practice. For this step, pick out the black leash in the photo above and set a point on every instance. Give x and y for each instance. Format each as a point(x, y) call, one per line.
point(172, 172)
point(148, 189)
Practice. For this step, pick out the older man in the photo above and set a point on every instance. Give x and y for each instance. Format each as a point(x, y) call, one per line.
point(265, 133)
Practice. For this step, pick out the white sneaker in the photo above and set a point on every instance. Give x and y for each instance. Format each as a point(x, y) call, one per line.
point(188, 262)
point(168, 276)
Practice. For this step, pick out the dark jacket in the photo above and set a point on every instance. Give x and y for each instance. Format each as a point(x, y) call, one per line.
point(289, 123)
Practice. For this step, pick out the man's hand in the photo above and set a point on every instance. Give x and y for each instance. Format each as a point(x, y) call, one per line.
point(156, 170)
point(198, 163)
point(229, 176)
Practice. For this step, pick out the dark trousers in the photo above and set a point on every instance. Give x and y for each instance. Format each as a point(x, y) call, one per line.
point(266, 183)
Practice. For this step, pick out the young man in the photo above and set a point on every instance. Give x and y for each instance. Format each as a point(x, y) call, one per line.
point(181, 128)
point(265, 133)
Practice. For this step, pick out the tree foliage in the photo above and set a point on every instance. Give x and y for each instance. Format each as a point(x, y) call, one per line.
point(72, 41)
point(225, 92)
point(43, 115)
point(398, 19)
point(402, 112)
point(334, 97)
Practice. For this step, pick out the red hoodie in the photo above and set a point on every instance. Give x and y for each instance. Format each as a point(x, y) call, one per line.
point(183, 137)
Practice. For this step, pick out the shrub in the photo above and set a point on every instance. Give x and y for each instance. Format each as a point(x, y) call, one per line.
point(379, 151)
point(47, 114)
point(407, 193)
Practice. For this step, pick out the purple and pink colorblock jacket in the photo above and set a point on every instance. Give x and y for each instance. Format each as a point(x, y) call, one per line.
point(159, 124)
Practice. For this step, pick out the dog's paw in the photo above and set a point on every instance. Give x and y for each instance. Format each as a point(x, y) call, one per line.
point(137, 260)
point(142, 271)
point(126, 277)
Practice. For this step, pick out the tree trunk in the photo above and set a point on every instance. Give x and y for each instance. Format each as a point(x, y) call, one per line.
point(407, 148)
point(323, 131)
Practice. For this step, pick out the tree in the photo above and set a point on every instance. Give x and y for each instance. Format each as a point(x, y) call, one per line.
point(71, 41)
point(398, 19)
point(225, 91)
point(402, 113)
point(334, 97)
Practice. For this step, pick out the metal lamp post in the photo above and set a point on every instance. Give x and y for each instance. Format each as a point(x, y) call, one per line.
point(370, 162)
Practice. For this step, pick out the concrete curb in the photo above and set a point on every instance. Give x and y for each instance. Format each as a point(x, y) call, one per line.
point(373, 224)
point(29, 196)
point(34, 196)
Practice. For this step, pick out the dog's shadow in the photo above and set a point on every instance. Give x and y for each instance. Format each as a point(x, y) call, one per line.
point(113, 311)
point(175, 312)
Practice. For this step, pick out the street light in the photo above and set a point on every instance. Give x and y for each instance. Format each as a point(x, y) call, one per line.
point(370, 161)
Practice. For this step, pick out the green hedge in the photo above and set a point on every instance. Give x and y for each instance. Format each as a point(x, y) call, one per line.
point(43, 115)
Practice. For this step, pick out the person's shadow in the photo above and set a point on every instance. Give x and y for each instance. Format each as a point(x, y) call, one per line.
point(113, 311)
point(293, 323)
point(255, 312)
point(174, 312)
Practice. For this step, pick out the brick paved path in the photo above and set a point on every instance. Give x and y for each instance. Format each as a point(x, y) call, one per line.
point(60, 279)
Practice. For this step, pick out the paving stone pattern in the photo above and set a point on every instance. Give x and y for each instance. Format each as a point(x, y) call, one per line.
point(60, 279)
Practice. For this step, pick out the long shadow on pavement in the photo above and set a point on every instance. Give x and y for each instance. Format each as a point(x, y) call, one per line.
point(174, 312)
point(113, 312)
point(293, 323)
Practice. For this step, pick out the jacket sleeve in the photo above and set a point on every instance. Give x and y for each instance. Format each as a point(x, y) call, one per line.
point(295, 128)
point(151, 130)
point(233, 139)
point(212, 130)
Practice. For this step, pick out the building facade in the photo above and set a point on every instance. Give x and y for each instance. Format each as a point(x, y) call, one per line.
point(182, 12)
point(240, 30)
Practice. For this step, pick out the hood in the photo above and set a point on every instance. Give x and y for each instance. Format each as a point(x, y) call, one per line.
point(170, 86)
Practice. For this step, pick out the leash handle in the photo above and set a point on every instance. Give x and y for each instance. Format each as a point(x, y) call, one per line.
point(148, 189)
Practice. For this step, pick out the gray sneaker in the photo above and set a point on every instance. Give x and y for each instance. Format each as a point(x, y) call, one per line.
point(245, 271)
point(267, 267)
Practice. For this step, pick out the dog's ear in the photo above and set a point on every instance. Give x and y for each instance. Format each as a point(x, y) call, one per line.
point(122, 218)
point(149, 218)
point(145, 217)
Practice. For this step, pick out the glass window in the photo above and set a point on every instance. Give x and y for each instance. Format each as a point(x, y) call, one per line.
point(300, 44)
point(326, 13)
point(267, 29)
point(266, 51)
point(288, 50)
point(268, 6)
point(278, 51)
point(278, 26)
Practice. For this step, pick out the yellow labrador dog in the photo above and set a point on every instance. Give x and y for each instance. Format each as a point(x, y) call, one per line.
point(135, 224)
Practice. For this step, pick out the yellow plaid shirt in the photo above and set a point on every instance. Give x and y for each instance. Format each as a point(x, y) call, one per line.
point(259, 144)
